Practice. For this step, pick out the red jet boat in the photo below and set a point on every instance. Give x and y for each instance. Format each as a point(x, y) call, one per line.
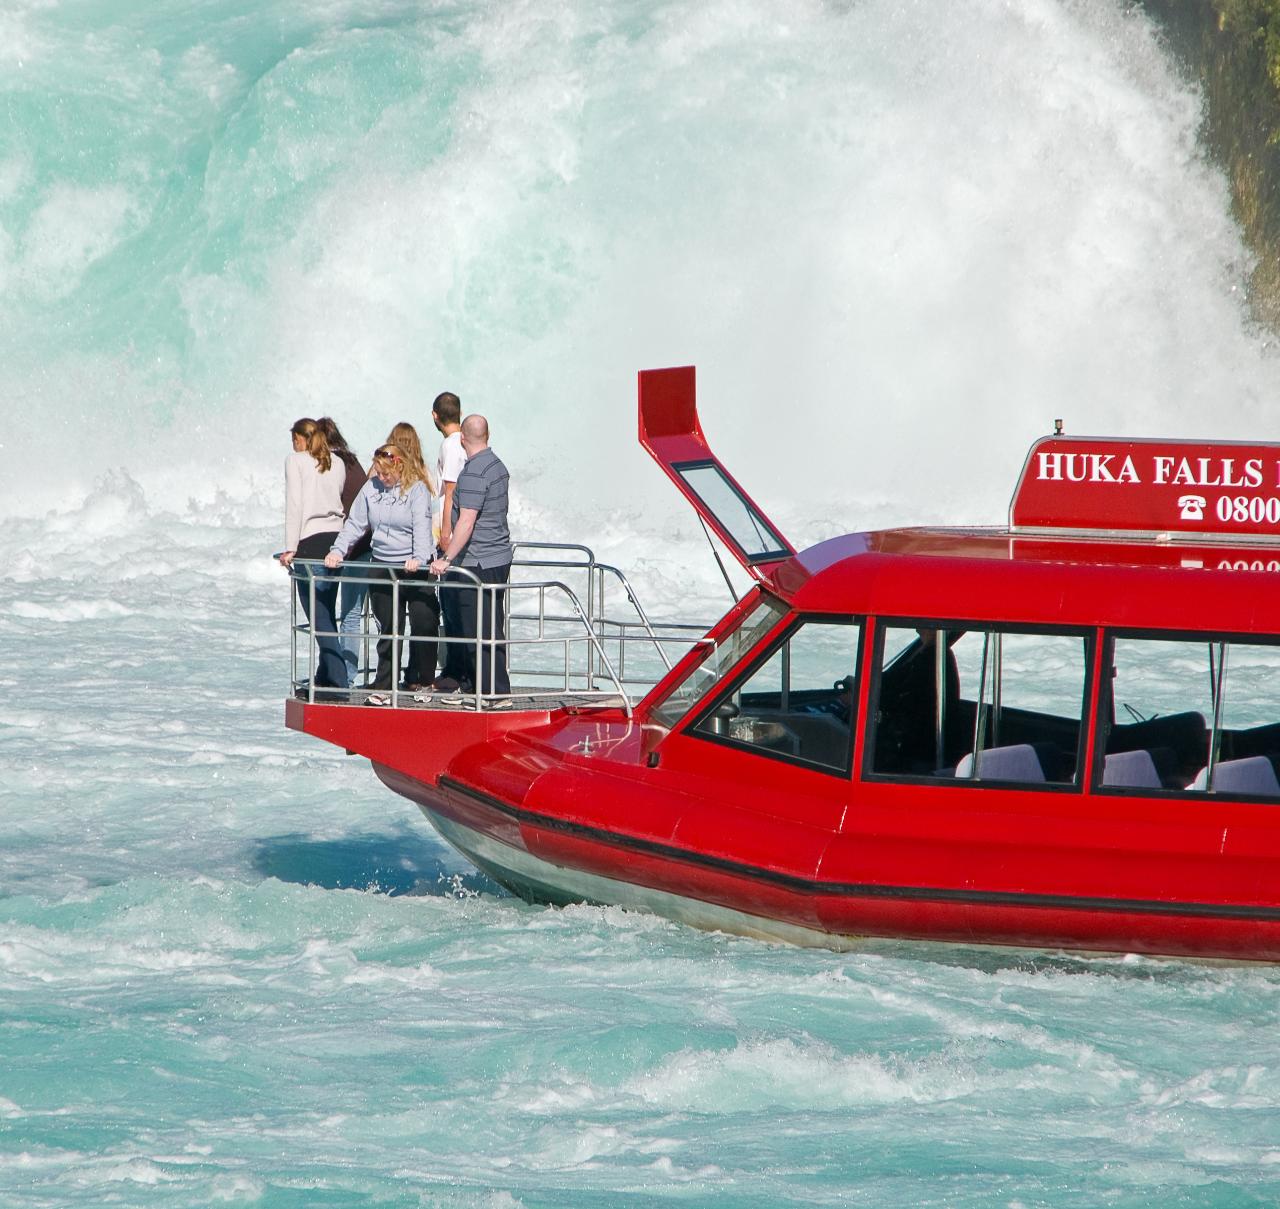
point(1062, 732)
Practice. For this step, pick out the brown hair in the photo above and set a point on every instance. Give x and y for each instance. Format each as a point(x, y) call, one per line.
point(317, 444)
point(332, 433)
point(447, 407)
point(414, 469)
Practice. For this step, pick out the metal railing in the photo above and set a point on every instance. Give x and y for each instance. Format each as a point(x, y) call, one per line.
point(561, 640)
point(633, 631)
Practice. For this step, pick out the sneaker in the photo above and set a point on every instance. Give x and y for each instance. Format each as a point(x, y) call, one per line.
point(377, 699)
point(502, 703)
point(445, 684)
point(422, 698)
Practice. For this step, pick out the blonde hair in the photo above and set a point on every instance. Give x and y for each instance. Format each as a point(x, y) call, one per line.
point(317, 442)
point(414, 467)
point(411, 470)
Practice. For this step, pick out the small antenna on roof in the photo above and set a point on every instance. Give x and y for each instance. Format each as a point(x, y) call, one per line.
point(1057, 428)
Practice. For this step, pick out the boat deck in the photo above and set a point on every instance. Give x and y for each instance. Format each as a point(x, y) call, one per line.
point(518, 701)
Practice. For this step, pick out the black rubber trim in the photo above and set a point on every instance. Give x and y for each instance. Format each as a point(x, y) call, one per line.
point(985, 898)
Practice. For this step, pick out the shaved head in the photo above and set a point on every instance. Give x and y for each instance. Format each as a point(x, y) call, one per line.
point(475, 428)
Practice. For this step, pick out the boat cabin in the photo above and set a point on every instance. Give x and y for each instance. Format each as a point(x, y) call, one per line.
point(1121, 634)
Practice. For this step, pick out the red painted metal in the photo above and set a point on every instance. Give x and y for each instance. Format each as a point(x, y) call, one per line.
point(604, 796)
point(672, 434)
point(997, 576)
point(1192, 487)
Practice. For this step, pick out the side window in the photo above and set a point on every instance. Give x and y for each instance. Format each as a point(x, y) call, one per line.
point(797, 704)
point(979, 705)
point(1156, 715)
point(918, 730)
point(1198, 714)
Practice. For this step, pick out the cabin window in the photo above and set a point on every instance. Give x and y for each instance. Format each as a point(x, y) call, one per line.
point(944, 693)
point(719, 657)
point(797, 704)
point(1191, 714)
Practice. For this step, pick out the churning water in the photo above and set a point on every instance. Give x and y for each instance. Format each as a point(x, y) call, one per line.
point(897, 237)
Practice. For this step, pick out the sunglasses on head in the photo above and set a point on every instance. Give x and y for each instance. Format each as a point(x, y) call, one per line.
point(388, 453)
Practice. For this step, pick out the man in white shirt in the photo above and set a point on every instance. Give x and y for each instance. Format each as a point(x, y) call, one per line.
point(446, 414)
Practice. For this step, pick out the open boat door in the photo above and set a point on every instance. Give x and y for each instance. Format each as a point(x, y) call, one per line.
point(670, 431)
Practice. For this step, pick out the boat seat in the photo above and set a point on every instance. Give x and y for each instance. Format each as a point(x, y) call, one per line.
point(1133, 769)
point(1018, 762)
point(1179, 744)
point(1256, 741)
point(1253, 774)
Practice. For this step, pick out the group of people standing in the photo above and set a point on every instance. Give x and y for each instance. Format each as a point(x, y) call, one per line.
point(436, 534)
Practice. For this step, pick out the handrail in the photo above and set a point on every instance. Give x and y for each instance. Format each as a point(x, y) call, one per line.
point(639, 608)
point(591, 627)
point(590, 560)
point(597, 570)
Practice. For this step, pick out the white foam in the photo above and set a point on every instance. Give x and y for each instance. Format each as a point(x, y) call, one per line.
point(20, 42)
point(237, 1189)
point(207, 75)
point(73, 227)
point(131, 1171)
point(70, 610)
point(755, 1074)
point(418, 977)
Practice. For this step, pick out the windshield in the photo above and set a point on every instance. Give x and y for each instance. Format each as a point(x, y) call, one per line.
point(718, 658)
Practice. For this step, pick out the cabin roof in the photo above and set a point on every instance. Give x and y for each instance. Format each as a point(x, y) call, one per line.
point(1000, 574)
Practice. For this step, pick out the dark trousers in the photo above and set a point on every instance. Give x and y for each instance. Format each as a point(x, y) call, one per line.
point(485, 617)
point(417, 599)
point(451, 612)
point(331, 668)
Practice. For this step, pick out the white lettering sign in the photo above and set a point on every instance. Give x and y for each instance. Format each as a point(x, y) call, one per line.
point(1086, 468)
point(1062, 466)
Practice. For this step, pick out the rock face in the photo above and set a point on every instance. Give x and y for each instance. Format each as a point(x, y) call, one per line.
point(1233, 48)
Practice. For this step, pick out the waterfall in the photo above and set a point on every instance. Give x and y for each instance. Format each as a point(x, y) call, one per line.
point(897, 238)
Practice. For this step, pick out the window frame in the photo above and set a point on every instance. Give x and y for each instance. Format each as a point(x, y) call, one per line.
point(704, 648)
point(984, 625)
point(779, 552)
point(1102, 728)
point(772, 643)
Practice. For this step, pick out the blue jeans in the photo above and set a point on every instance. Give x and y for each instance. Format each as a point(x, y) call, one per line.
point(331, 669)
point(351, 611)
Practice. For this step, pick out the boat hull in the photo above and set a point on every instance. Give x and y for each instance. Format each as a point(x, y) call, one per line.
point(547, 859)
point(541, 881)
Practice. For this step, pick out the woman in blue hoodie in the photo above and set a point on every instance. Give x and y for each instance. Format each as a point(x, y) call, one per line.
point(395, 507)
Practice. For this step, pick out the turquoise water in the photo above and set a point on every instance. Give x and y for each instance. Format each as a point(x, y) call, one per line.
point(897, 238)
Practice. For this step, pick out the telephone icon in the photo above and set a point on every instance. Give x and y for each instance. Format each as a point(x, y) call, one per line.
point(1192, 507)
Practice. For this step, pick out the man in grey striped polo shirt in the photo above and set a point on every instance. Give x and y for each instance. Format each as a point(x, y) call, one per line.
point(481, 544)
